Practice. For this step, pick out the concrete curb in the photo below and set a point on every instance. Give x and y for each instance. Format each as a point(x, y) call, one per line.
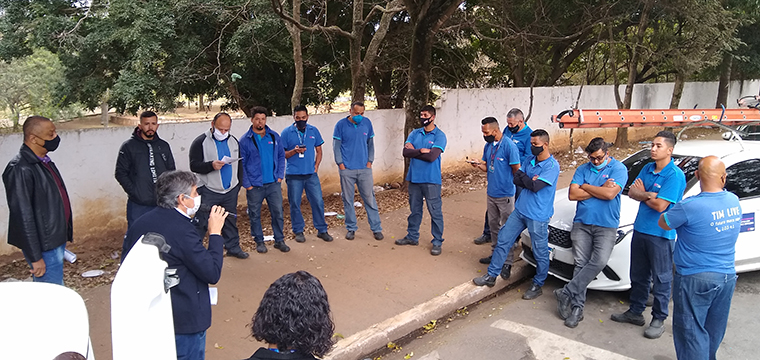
point(378, 335)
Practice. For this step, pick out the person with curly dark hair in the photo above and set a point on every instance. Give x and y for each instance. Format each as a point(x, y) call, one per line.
point(294, 319)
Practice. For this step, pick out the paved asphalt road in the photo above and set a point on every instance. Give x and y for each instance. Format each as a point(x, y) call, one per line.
point(507, 327)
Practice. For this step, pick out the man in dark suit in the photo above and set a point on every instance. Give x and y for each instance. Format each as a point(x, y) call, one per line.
point(197, 267)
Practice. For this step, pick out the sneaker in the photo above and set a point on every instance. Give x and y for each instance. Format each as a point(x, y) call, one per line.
point(300, 238)
point(483, 239)
point(486, 280)
point(506, 271)
point(281, 246)
point(350, 235)
point(575, 317)
point(378, 235)
point(628, 317)
point(240, 254)
point(650, 300)
point(406, 241)
point(325, 236)
point(563, 304)
point(655, 330)
point(533, 292)
point(485, 260)
point(436, 250)
point(261, 248)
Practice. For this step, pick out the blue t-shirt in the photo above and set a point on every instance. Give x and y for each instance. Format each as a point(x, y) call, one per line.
point(354, 139)
point(498, 157)
point(669, 185)
point(222, 150)
point(539, 206)
point(522, 141)
point(595, 211)
point(266, 152)
point(708, 225)
point(421, 171)
point(311, 138)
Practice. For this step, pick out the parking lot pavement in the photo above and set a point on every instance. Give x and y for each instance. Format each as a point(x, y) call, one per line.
point(507, 327)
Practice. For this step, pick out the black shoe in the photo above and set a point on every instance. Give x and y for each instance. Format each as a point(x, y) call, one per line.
point(483, 239)
point(350, 235)
point(629, 317)
point(281, 246)
point(485, 260)
point(300, 238)
point(506, 271)
point(533, 292)
point(486, 280)
point(655, 330)
point(261, 248)
point(575, 317)
point(563, 304)
point(436, 250)
point(650, 300)
point(406, 241)
point(240, 254)
point(325, 236)
point(378, 235)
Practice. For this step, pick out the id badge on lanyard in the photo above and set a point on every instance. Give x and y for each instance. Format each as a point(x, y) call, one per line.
point(494, 150)
point(303, 154)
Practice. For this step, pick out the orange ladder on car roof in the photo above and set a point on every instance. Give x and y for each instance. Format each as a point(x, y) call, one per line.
point(613, 118)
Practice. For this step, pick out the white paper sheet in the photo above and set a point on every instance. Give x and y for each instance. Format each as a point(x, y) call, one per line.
point(213, 295)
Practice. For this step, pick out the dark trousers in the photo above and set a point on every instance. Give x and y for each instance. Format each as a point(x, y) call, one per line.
point(651, 262)
point(135, 210)
point(229, 202)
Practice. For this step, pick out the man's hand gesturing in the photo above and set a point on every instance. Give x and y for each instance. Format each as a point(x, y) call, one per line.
point(216, 220)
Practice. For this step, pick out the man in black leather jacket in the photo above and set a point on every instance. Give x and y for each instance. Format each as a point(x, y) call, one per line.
point(142, 159)
point(38, 203)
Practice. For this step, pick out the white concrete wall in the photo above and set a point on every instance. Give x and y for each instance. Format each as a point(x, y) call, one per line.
point(87, 158)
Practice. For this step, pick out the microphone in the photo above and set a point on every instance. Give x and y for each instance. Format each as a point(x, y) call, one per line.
point(207, 208)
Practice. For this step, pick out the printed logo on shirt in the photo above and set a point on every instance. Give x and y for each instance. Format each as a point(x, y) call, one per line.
point(430, 142)
point(605, 176)
point(311, 136)
point(270, 142)
point(365, 133)
point(656, 185)
point(515, 141)
point(501, 159)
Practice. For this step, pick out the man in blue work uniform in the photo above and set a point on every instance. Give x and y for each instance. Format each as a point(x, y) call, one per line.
point(596, 186)
point(519, 133)
point(263, 169)
point(538, 177)
point(354, 151)
point(708, 226)
point(660, 184)
point(502, 160)
point(424, 147)
point(303, 151)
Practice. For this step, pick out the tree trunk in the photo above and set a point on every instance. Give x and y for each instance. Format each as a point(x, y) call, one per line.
point(295, 37)
point(358, 77)
point(104, 113)
point(725, 80)
point(381, 84)
point(201, 103)
point(16, 117)
point(675, 99)
point(419, 79)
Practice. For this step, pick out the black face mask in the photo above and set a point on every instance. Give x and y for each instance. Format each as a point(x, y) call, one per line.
point(51, 145)
point(301, 125)
point(513, 129)
point(489, 139)
point(425, 121)
point(536, 150)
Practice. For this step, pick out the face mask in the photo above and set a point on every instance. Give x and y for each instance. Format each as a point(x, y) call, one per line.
point(489, 139)
point(513, 129)
point(536, 150)
point(51, 145)
point(425, 121)
point(357, 118)
point(219, 136)
point(602, 165)
point(301, 125)
point(196, 205)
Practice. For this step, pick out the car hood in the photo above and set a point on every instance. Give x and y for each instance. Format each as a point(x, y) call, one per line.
point(564, 211)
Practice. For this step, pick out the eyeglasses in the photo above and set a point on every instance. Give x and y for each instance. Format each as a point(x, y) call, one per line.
point(597, 158)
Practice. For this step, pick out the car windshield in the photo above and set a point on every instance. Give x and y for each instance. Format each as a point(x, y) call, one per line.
point(635, 162)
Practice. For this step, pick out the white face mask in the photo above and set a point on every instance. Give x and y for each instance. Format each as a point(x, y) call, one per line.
point(219, 136)
point(196, 205)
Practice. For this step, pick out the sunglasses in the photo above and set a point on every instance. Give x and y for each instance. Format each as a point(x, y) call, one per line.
point(596, 158)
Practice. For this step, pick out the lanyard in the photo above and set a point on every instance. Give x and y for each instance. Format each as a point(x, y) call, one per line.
point(298, 132)
point(493, 154)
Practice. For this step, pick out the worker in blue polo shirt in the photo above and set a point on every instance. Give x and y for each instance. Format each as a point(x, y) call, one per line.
point(502, 160)
point(303, 151)
point(519, 132)
point(354, 151)
point(708, 226)
point(596, 186)
point(534, 207)
point(660, 184)
point(424, 147)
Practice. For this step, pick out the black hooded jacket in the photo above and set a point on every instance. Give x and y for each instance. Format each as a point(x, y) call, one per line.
point(139, 164)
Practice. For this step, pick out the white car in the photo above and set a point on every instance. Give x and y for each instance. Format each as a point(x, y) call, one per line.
point(742, 161)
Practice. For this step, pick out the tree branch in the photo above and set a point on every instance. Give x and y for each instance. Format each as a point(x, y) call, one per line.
point(277, 7)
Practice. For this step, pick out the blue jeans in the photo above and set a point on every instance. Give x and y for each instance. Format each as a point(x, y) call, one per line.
point(296, 186)
point(191, 346)
point(135, 210)
point(272, 192)
point(651, 262)
point(592, 246)
point(700, 313)
point(431, 193)
point(53, 266)
point(539, 239)
point(362, 178)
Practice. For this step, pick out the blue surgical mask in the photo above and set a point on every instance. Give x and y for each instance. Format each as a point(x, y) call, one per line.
point(357, 118)
point(602, 165)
